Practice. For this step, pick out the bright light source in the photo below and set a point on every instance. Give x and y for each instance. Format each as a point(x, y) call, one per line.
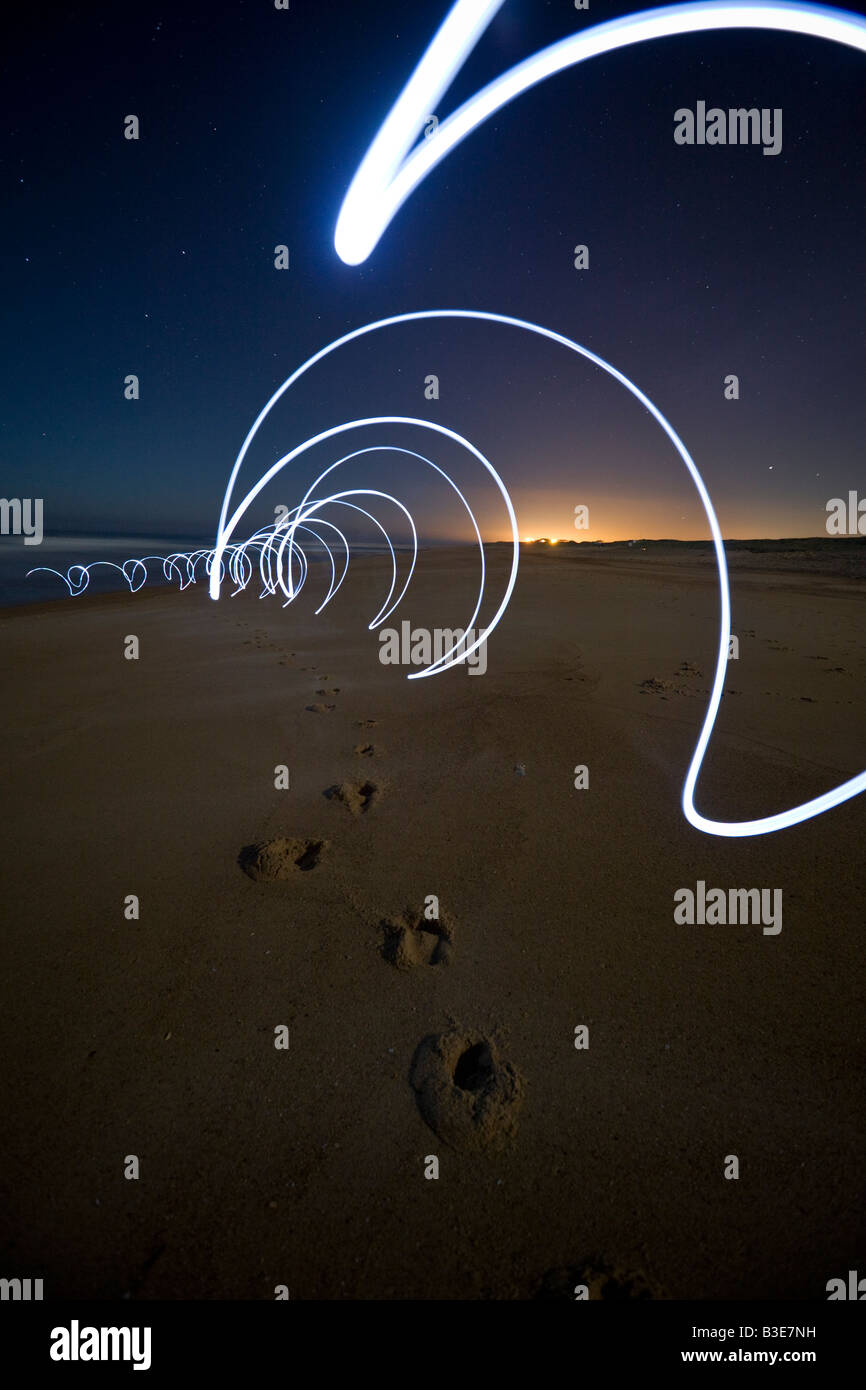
point(389, 173)
point(729, 829)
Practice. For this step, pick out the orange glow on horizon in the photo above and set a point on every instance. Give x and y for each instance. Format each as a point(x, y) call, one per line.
point(545, 515)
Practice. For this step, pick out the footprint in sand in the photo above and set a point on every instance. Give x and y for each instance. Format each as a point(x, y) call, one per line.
point(367, 723)
point(601, 1280)
point(665, 688)
point(654, 686)
point(320, 709)
point(335, 691)
point(357, 797)
point(274, 860)
point(468, 1095)
point(412, 940)
point(368, 750)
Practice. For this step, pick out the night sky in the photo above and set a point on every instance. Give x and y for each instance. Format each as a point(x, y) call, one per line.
point(156, 257)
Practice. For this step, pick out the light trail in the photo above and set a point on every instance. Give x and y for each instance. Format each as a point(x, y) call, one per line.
point(728, 829)
point(389, 173)
point(385, 179)
point(458, 653)
point(279, 551)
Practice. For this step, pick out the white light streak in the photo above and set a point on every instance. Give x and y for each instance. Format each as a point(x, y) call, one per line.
point(389, 173)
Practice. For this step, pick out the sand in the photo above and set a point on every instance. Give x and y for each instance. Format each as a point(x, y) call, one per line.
point(304, 908)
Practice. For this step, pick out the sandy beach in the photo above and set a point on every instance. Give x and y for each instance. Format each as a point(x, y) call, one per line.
point(412, 1037)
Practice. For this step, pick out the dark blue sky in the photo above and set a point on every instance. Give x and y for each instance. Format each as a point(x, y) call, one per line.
point(156, 257)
